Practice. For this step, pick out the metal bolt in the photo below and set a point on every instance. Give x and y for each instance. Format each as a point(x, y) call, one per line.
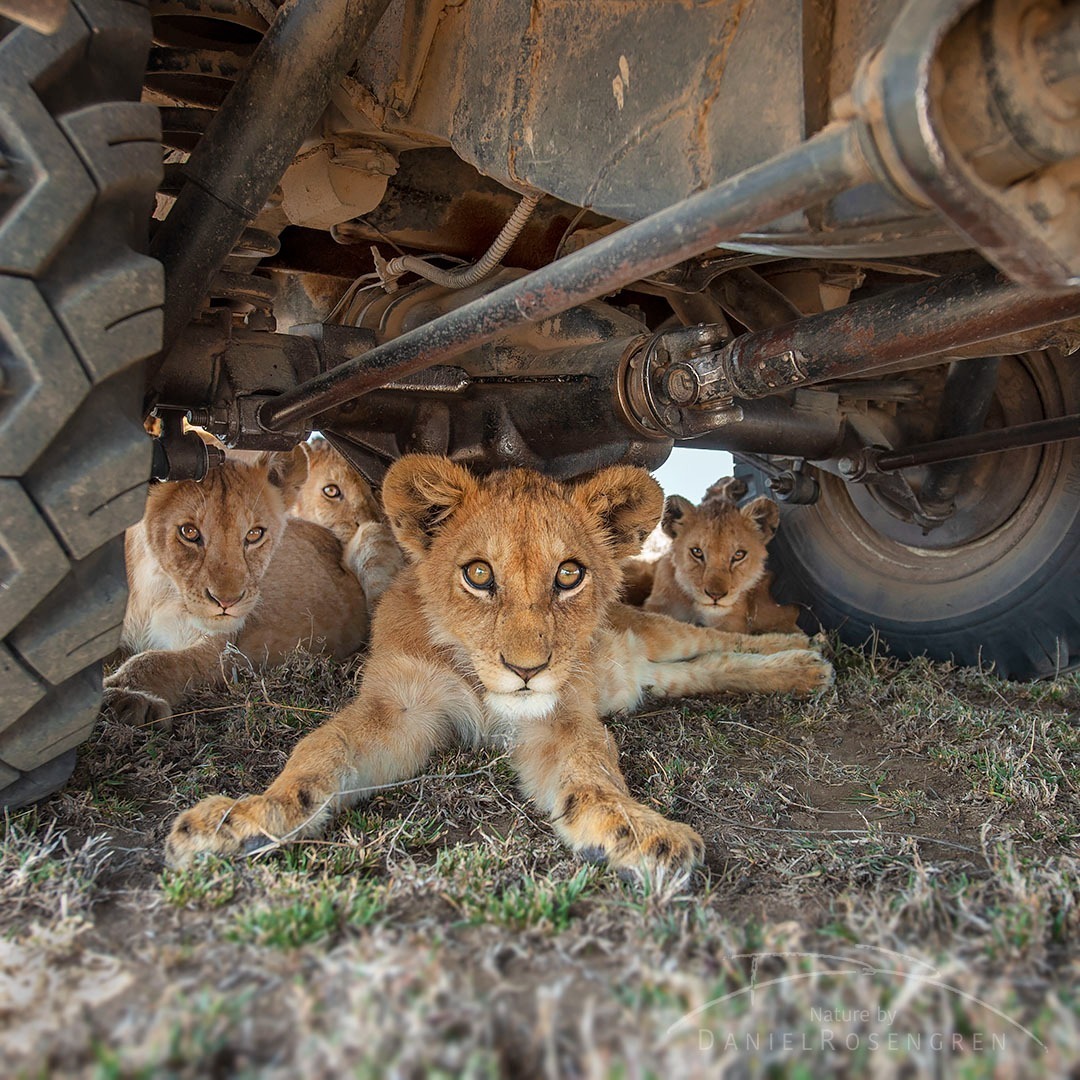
point(847, 466)
point(681, 384)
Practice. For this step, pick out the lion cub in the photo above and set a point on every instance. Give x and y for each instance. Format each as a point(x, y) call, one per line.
point(712, 572)
point(337, 497)
point(506, 626)
point(220, 563)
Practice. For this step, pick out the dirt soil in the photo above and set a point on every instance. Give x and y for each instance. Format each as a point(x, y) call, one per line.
point(890, 889)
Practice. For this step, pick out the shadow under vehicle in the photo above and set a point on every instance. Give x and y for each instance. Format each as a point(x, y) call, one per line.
point(841, 240)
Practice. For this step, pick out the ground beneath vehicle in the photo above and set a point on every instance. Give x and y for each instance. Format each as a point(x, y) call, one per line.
point(832, 238)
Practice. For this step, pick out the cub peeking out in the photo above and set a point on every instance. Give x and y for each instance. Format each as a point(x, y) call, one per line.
point(338, 498)
point(506, 626)
point(713, 571)
point(218, 563)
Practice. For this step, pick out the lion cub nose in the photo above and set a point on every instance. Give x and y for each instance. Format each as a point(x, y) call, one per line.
point(226, 602)
point(716, 594)
point(525, 673)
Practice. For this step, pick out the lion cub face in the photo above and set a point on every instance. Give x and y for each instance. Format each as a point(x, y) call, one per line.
point(718, 548)
point(214, 539)
point(517, 570)
point(334, 495)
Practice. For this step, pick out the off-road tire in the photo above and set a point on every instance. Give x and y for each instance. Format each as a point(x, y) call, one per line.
point(1010, 600)
point(80, 309)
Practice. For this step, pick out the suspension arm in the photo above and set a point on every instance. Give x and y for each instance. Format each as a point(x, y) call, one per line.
point(829, 163)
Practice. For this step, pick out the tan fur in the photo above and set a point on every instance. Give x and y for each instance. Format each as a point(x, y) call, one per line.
point(188, 602)
point(337, 497)
point(728, 489)
point(716, 588)
point(523, 662)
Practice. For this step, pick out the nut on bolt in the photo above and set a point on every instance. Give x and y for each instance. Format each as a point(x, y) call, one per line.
point(681, 384)
point(798, 488)
point(782, 485)
point(215, 456)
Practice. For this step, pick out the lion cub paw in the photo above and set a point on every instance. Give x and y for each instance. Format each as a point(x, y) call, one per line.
point(138, 708)
point(217, 824)
point(809, 671)
point(628, 836)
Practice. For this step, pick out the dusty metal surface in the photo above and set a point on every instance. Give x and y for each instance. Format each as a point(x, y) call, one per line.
point(899, 326)
point(252, 139)
point(539, 395)
point(1011, 194)
point(968, 394)
point(438, 203)
point(825, 164)
point(44, 16)
point(545, 111)
point(628, 107)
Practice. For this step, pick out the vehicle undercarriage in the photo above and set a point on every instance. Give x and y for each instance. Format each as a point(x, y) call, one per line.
point(839, 240)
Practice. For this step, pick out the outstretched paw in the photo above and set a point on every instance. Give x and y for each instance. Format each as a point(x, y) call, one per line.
point(220, 825)
point(809, 671)
point(137, 708)
point(626, 835)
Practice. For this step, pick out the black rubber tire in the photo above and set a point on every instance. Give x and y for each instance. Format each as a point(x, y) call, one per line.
point(1011, 599)
point(80, 309)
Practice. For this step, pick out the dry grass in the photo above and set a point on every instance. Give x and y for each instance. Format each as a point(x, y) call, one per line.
point(891, 889)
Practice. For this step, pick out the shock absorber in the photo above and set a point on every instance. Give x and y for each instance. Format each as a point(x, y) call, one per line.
point(199, 49)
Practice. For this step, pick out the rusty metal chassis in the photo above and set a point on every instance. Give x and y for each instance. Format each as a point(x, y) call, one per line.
point(634, 398)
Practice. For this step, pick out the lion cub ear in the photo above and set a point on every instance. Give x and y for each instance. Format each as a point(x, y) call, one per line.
point(728, 489)
point(678, 513)
point(420, 494)
point(626, 500)
point(763, 513)
point(287, 471)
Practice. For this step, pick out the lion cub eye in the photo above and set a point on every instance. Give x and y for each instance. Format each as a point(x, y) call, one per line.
point(569, 575)
point(332, 491)
point(479, 575)
point(738, 556)
point(189, 533)
point(254, 535)
point(697, 553)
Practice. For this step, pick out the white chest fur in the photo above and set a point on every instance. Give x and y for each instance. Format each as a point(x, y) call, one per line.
point(155, 616)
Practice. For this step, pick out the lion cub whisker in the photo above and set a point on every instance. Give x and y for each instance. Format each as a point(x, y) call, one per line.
point(510, 565)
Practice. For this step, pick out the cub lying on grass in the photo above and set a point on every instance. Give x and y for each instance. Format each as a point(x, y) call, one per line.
point(218, 563)
point(713, 572)
point(506, 625)
point(338, 498)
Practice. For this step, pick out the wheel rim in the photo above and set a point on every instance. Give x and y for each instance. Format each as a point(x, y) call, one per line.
point(852, 526)
point(996, 485)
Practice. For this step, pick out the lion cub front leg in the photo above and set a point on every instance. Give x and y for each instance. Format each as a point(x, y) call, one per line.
point(147, 688)
point(664, 639)
point(373, 556)
point(385, 734)
point(569, 766)
point(796, 671)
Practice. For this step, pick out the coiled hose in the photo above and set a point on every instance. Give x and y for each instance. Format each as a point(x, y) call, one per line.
point(464, 276)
